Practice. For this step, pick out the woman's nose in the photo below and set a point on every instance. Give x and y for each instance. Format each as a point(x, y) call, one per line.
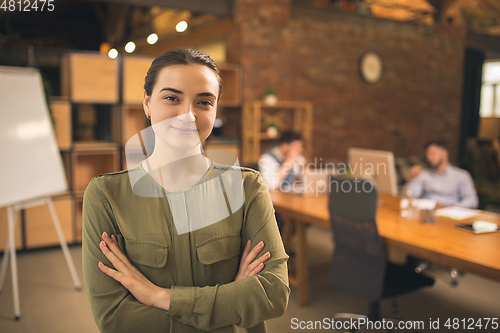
point(187, 115)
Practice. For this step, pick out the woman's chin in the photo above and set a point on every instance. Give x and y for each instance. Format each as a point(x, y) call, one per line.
point(181, 143)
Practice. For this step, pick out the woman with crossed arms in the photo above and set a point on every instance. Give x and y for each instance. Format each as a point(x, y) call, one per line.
point(179, 243)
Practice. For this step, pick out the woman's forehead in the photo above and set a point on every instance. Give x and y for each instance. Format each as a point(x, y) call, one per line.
point(191, 77)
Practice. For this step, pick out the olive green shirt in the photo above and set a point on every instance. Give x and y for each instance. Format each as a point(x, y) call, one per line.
point(199, 266)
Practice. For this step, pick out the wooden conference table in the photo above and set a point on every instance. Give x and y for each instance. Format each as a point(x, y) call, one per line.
point(442, 243)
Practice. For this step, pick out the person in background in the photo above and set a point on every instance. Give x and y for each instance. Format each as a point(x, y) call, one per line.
point(446, 184)
point(282, 164)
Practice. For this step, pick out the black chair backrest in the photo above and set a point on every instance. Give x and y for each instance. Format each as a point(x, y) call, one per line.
point(359, 260)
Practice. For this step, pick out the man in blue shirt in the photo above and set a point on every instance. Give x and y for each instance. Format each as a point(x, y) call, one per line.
point(283, 163)
point(446, 184)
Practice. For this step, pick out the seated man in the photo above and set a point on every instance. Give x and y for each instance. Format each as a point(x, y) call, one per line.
point(282, 164)
point(446, 184)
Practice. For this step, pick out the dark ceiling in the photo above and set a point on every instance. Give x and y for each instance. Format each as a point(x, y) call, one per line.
point(72, 25)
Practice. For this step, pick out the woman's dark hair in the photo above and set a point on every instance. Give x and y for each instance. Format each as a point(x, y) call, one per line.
point(179, 57)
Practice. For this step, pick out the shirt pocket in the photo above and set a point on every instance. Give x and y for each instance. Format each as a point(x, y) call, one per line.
point(147, 253)
point(219, 248)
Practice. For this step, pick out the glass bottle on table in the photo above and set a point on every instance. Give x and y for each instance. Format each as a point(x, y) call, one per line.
point(409, 204)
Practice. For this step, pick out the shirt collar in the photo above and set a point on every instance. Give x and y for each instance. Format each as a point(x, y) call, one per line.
point(446, 171)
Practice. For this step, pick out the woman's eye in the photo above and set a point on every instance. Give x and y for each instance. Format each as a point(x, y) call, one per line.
point(206, 103)
point(171, 98)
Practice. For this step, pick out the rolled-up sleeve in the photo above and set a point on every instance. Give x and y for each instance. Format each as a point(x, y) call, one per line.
point(113, 306)
point(467, 191)
point(246, 302)
point(269, 168)
point(416, 186)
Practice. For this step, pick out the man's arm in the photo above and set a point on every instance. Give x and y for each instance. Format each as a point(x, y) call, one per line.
point(416, 186)
point(467, 195)
point(272, 172)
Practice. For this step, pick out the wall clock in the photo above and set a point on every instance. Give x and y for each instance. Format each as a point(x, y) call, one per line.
point(371, 67)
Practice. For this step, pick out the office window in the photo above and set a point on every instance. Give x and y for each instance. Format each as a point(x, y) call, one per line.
point(490, 90)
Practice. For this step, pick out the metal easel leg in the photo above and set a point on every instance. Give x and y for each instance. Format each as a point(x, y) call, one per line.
point(13, 262)
point(64, 245)
point(5, 261)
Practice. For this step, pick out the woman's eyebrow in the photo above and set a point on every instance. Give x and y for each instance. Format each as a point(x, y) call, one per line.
point(207, 94)
point(173, 90)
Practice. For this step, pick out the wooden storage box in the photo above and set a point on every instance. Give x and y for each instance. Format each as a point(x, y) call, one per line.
point(90, 160)
point(61, 113)
point(134, 72)
point(89, 78)
point(232, 84)
point(39, 227)
point(4, 229)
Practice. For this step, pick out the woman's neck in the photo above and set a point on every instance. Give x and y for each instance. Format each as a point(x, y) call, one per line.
point(176, 169)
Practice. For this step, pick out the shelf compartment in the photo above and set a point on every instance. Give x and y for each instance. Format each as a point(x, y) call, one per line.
point(91, 159)
point(39, 227)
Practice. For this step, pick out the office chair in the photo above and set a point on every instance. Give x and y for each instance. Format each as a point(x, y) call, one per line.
point(420, 266)
point(359, 265)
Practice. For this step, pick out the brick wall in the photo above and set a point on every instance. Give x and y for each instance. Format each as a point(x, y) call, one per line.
point(314, 56)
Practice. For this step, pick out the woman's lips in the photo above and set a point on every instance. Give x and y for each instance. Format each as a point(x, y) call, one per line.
point(184, 130)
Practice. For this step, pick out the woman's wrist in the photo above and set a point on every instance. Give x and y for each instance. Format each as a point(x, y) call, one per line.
point(163, 300)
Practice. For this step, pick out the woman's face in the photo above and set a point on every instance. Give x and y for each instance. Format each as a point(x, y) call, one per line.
point(183, 104)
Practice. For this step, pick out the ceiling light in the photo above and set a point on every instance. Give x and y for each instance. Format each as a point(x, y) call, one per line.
point(153, 38)
point(181, 26)
point(113, 53)
point(130, 47)
point(496, 70)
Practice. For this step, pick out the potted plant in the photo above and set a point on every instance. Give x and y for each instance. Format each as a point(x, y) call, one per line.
point(272, 131)
point(270, 97)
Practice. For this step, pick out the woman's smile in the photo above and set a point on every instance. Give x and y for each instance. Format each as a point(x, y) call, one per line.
point(184, 130)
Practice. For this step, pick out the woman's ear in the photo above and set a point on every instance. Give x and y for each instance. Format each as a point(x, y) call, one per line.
point(145, 104)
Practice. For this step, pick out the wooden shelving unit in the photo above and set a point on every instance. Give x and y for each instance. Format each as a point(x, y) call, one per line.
point(296, 116)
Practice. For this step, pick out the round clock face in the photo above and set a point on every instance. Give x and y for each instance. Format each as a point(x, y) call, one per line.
point(371, 67)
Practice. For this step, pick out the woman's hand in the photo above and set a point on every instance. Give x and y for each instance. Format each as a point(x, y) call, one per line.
point(130, 277)
point(248, 265)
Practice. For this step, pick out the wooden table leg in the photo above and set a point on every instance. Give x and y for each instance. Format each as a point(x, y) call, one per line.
point(302, 266)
